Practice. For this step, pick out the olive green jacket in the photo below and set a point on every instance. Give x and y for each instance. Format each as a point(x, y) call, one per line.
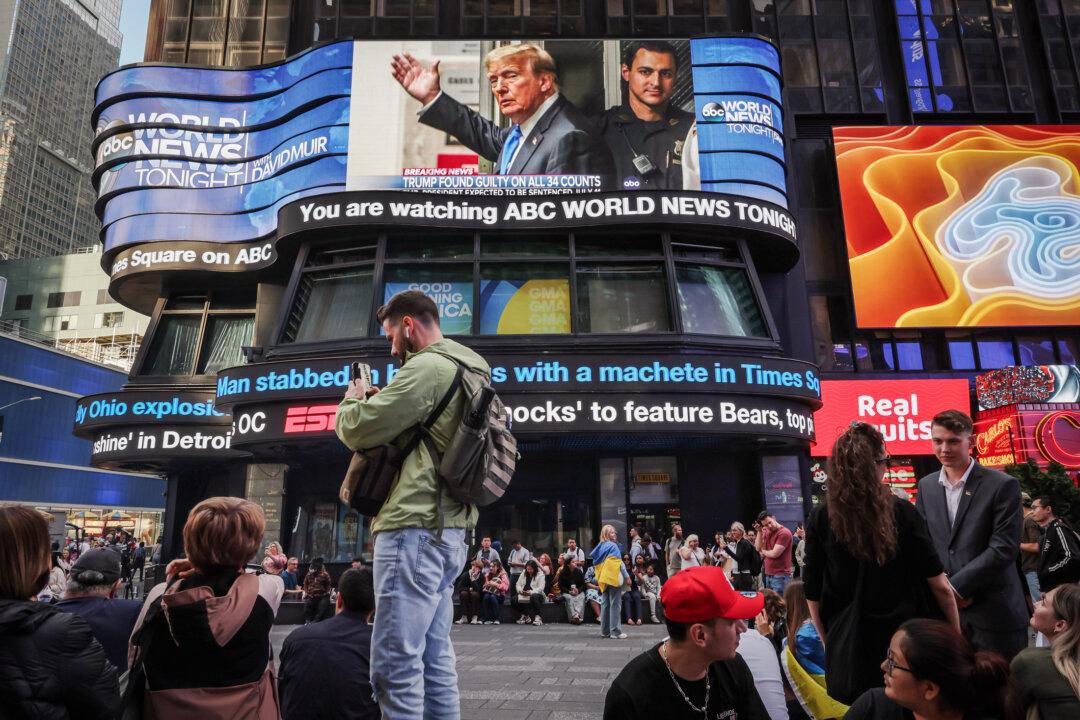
point(389, 415)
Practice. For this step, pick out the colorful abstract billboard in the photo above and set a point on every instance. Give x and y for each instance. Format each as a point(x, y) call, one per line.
point(962, 226)
point(187, 154)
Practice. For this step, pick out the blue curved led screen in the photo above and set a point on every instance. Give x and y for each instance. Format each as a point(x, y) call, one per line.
point(178, 111)
point(203, 154)
point(185, 174)
point(159, 80)
point(235, 146)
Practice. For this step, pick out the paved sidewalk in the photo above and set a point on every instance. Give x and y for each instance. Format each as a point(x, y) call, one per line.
point(521, 672)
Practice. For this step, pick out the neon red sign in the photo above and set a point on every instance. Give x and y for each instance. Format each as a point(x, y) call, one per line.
point(310, 418)
point(1057, 436)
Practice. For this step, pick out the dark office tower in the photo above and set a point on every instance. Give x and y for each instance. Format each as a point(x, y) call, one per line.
point(56, 51)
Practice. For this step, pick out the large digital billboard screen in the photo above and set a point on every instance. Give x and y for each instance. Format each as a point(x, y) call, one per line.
point(962, 226)
point(200, 154)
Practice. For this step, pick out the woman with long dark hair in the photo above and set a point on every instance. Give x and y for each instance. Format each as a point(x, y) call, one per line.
point(1048, 678)
point(931, 671)
point(51, 666)
point(870, 565)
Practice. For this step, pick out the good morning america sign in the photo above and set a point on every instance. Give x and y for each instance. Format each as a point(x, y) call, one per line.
point(187, 154)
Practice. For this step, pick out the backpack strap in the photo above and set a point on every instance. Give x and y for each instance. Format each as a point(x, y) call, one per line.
point(424, 430)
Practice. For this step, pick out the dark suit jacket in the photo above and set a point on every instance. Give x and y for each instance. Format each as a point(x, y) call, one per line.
point(563, 142)
point(979, 551)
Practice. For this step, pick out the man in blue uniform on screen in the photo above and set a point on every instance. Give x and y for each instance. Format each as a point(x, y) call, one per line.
point(548, 134)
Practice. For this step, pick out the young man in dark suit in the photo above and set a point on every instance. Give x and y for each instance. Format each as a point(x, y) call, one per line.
point(975, 522)
point(548, 134)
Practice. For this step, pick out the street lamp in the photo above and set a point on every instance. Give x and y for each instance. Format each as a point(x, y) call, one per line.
point(29, 399)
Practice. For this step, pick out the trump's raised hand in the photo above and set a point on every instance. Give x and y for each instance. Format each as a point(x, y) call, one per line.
point(419, 81)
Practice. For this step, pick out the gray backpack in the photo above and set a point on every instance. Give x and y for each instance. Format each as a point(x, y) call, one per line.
point(480, 458)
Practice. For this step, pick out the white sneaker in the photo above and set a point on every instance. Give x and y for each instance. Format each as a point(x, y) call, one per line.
point(523, 620)
point(620, 636)
point(655, 619)
point(496, 622)
point(537, 621)
point(488, 622)
point(475, 620)
point(461, 621)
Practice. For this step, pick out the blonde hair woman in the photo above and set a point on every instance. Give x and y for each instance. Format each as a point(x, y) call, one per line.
point(611, 574)
point(691, 553)
point(1048, 678)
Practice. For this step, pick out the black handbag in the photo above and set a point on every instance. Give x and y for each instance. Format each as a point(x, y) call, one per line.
point(850, 670)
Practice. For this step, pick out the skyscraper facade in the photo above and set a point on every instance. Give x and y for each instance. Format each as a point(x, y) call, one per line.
point(56, 51)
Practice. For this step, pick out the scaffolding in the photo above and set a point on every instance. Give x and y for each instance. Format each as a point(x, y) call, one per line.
point(117, 349)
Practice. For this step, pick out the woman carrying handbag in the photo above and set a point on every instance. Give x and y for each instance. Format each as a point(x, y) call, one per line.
point(870, 565)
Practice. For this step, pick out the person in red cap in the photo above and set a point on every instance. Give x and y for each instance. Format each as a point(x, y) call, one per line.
point(695, 672)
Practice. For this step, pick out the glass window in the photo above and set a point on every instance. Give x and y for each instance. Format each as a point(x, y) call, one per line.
point(523, 246)
point(961, 355)
point(909, 356)
point(995, 354)
point(726, 252)
point(718, 301)
point(1035, 351)
point(524, 299)
point(616, 245)
point(626, 297)
point(1067, 352)
point(450, 286)
point(332, 305)
point(222, 343)
point(172, 351)
point(425, 248)
point(24, 302)
point(882, 356)
point(654, 480)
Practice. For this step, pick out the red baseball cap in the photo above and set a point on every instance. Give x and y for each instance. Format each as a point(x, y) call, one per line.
point(701, 594)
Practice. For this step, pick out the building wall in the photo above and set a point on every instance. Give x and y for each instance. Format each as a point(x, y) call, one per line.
point(41, 462)
point(85, 314)
point(56, 53)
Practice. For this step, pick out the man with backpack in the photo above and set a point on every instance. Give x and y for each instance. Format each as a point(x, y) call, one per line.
point(420, 530)
point(1059, 548)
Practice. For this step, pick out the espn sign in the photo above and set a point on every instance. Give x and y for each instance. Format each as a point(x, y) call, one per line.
point(310, 419)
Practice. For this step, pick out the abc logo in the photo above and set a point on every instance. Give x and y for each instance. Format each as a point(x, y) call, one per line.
point(630, 182)
point(712, 110)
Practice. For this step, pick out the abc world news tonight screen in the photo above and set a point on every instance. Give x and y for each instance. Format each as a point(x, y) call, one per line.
point(200, 154)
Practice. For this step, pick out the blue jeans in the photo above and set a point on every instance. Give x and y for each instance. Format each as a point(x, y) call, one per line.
point(610, 609)
point(1032, 578)
point(413, 672)
point(778, 583)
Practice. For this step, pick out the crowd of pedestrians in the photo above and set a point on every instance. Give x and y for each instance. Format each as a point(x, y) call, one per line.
point(895, 610)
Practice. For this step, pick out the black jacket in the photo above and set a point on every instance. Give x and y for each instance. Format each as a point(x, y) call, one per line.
point(1058, 563)
point(51, 666)
point(324, 670)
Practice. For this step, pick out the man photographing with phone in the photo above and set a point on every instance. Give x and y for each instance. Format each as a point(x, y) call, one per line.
point(412, 661)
